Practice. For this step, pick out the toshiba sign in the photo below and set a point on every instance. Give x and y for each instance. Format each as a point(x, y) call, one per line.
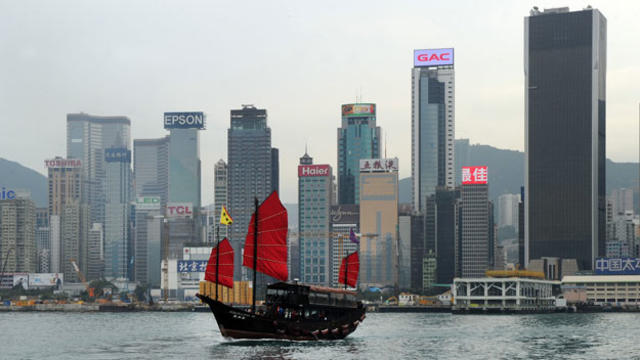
point(313, 170)
point(179, 210)
point(433, 57)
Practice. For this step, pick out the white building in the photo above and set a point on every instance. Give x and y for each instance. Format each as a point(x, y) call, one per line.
point(508, 210)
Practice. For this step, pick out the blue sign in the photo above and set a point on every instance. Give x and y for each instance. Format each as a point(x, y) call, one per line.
point(117, 155)
point(617, 266)
point(191, 266)
point(7, 194)
point(184, 120)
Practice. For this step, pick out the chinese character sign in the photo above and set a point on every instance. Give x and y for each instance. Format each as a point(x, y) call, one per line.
point(617, 266)
point(190, 266)
point(475, 175)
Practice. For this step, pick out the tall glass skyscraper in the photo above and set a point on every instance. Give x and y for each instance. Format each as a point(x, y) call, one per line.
point(358, 138)
point(184, 166)
point(565, 75)
point(117, 212)
point(432, 124)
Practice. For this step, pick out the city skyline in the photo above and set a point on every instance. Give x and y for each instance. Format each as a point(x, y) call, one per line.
point(95, 65)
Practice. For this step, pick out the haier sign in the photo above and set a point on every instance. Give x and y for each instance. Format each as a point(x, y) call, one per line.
point(313, 170)
point(432, 57)
point(179, 210)
point(184, 120)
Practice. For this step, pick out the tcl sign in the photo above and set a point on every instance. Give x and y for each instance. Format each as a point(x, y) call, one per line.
point(182, 210)
point(313, 170)
point(433, 57)
point(475, 175)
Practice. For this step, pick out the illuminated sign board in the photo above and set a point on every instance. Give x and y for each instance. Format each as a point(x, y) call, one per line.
point(432, 57)
point(179, 210)
point(191, 266)
point(313, 170)
point(617, 266)
point(63, 163)
point(148, 203)
point(358, 109)
point(184, 120)
point(117, 155)
point(475, 175)
point(7, 194)
point(379, 165)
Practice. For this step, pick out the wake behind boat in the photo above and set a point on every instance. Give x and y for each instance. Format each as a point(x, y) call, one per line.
point(291, 311)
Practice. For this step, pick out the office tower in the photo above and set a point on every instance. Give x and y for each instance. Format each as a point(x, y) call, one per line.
point(430, 268)
point(293, 254)
point(151, 179)
point(87, 138)
point(117, 252)
point(95, 254)
point(565, 75)
point(343, 219)
point(404, 250)
point(314, 204)
point(250, 170)
point(508, 210)
point(417, 251)
point(432, 123)
point(358, 138)
point(462, 157)
point(378, 222)
point(476, 245)
point(221, 195)
point(621, 201)
point(521, 217)
point(275, 169)
point(43, 244)
point(17, 235)
point(442, 229)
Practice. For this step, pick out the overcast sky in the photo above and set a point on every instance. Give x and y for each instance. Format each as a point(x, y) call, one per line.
point(298, 59)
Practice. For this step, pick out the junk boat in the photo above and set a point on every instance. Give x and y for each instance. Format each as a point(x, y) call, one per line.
point(291, 310)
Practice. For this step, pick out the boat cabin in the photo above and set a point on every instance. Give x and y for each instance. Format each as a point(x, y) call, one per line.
point(293, 295)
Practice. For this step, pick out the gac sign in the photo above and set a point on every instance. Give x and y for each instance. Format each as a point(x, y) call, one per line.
point(313, 170)
point(433, 57)
point(179, 210)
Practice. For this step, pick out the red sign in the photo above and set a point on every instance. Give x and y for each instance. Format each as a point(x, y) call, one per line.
point(179, 210)
point(313, 170)
point(63, 163)
point(475, 175)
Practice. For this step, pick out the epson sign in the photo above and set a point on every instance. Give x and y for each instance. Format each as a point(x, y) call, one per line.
point(432, 57)
point(313, 170)
point(184, 120)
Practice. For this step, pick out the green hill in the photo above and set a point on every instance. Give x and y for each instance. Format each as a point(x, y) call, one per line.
point(15, 176)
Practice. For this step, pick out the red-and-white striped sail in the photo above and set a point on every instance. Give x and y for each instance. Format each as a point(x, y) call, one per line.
point(272, 239)
point(350, 267)
point(225, 267)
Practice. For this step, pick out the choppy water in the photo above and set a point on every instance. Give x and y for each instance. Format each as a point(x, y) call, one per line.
point(381, 336)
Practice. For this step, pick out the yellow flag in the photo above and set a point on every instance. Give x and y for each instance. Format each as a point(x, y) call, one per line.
point(225, 218)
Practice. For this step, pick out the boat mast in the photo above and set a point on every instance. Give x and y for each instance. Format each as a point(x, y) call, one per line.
point(346, 271)
point(217, 257)
point(255, 255)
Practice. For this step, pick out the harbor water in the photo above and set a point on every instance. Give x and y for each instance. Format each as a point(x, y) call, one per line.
point(157, 335)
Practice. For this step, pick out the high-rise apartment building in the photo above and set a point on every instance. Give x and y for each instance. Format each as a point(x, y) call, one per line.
point(358, 138)
point(314, 205)
point(118, 187)
point(95, 253)
point(250, 170)
point(565, 66)
point(378, 222)
point(432, 123)
point(476, 250)
point(43, 244)
point(17, 235)
point(221, 196)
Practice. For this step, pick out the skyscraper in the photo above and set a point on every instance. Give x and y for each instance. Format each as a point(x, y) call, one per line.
point(249, 155)
point(17, 235)
point(221, 195)
point(343, 219)
point(565, 75)
point(43, 243)
point(314, 205)
point(358, 138)
point(117, 246)
point(476, 245)
point(151, 167)
point(432, 123)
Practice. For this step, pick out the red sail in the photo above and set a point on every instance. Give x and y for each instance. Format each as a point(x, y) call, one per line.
point(353, 262)
point(272, 239)
point(225, 267)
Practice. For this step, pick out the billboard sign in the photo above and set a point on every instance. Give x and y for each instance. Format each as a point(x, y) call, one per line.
point(63, 163)
point(7, 194)
point(21, 279)
point(617, 266)
point(345, 214)
point(184, 120)
point(191, 266)
point(474, 175)
point(117, 155)
point(358, 109)
point(148, 203)
point(46, 280)
point(379, 165)
point(432, 57)
point(313, 170)
point(179, 210)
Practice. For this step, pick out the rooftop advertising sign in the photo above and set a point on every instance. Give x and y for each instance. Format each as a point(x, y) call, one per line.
point(313, 170)
point(63, 163)
point(179, 210)
point(117, 155)
point(358, 109)
point(148, 203)
point(191, 266)
point(432, 57)
point(7, 194)
point(475, 175)
point(617, 266)
point(184, 120)
point(379, 165)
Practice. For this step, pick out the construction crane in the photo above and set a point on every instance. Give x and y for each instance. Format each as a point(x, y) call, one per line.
point(82, 278)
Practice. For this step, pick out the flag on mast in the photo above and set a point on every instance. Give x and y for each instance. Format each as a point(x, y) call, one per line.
point(225, 218)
